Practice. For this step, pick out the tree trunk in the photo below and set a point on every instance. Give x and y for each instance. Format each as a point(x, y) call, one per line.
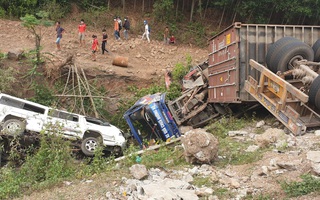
point(177, 9)
point(142, 6)
point(200, 8)
point(109, 4)
point(221, 19)
point(205, 10)
point(192, 9)
point(123, 5)
point(134, 5)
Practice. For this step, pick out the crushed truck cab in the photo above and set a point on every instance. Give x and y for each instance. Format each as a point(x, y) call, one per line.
point(149, 119)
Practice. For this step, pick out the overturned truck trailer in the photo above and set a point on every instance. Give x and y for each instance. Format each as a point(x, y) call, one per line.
point(274, 65)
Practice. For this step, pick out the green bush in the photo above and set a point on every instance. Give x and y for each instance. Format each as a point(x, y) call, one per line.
point(308, 184)
point(7, 78)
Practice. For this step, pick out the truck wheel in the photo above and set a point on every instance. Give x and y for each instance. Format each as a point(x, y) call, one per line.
point(275, 46)
point(284, 56)
point(316, 50)
point(314, 92)
point(89, 145)
point(13, 127)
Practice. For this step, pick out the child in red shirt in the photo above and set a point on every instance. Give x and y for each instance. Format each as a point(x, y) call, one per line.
point(94, 47)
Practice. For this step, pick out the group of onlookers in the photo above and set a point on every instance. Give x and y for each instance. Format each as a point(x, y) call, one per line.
point(118, 26)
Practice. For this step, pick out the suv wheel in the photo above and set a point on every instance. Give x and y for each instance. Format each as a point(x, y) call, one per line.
point(89, 145)
point(13, 127)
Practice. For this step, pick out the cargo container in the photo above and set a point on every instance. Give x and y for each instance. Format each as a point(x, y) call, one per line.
point(231, 50)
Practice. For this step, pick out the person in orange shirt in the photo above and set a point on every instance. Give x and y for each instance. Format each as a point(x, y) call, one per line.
point(94, 47)
point(116, 29)
point(82, 28)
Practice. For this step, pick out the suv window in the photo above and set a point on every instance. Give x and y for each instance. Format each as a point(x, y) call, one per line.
point(19, 104)
point(97, 121)
point(63, 115)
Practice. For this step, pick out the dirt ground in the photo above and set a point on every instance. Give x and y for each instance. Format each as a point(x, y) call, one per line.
point(147, 61)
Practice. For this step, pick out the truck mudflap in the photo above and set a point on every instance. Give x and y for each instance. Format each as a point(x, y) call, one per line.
point(286, 102)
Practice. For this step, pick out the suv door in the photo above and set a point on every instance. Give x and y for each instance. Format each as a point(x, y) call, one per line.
point(68, 122)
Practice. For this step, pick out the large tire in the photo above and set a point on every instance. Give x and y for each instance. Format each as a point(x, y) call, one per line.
point(294, 50)
point(316, 50)
point(314, 92)
point(13, 127)
point(275, 46)
point(89, 145)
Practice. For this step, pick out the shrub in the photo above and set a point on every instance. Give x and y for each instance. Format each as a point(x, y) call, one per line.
point(307, 185)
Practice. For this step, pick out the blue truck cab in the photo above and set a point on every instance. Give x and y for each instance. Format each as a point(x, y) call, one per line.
point(150, 119)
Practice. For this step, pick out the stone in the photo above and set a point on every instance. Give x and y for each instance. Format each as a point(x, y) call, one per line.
point(185, 194)
point(158, 191)
point(193, 171)
point(290, 166)
point(313, 156)
point(174, 184)
point(15, 54)
point(234, 183)
point(317, 132)
point(187, 178)
point(260, 124)
point(204, 191)
point(270, 136)
point(138, 171)
point(252, 148)
point(200, 146)
point(316, 168)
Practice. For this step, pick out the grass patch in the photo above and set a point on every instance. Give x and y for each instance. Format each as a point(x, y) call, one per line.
point(232, 151)
point(308, 184)
point(201, 181)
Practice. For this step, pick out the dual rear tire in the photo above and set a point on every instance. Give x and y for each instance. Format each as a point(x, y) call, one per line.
point(281, 55)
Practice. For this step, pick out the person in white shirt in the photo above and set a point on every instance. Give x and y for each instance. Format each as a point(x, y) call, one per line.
point(146, 31)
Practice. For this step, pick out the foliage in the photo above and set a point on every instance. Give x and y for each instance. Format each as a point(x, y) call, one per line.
point(163, 157)
point(308, 184)
point(43, 95)
point(32, 23)
point(51, 164)
point(7, 78)
point(163, 6)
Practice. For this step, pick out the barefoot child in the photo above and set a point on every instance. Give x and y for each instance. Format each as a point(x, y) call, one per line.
point(94, 47)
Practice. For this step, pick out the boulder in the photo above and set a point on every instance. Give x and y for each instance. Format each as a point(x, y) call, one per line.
point(138, 171)
point(199, 146)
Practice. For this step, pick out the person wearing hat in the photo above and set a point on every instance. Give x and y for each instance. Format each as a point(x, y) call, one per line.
point(146, 31)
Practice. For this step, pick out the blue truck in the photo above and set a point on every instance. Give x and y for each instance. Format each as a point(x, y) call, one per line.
point(149, 119)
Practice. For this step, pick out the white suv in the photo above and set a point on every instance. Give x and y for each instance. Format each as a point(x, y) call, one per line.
point(19, 115)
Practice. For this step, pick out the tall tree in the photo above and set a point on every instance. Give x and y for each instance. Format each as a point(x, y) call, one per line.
point(192, 9)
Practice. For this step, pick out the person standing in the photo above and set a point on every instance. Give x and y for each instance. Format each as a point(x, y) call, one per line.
point(94, 47)
point(126, 27)
point(116, 29)
point(104, 41)
point(120, 25)
point(82, 28)
point(166, 35)
point(146, 31)
point(59, 31)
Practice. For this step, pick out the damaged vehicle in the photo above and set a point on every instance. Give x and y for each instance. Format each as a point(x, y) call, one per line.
point(18, 116)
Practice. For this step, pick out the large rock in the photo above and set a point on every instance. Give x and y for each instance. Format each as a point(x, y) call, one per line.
point(138, 171)
point(200, 146)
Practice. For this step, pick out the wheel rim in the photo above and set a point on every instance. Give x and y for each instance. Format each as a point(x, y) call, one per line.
point(13, 127)
point(91, 145)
